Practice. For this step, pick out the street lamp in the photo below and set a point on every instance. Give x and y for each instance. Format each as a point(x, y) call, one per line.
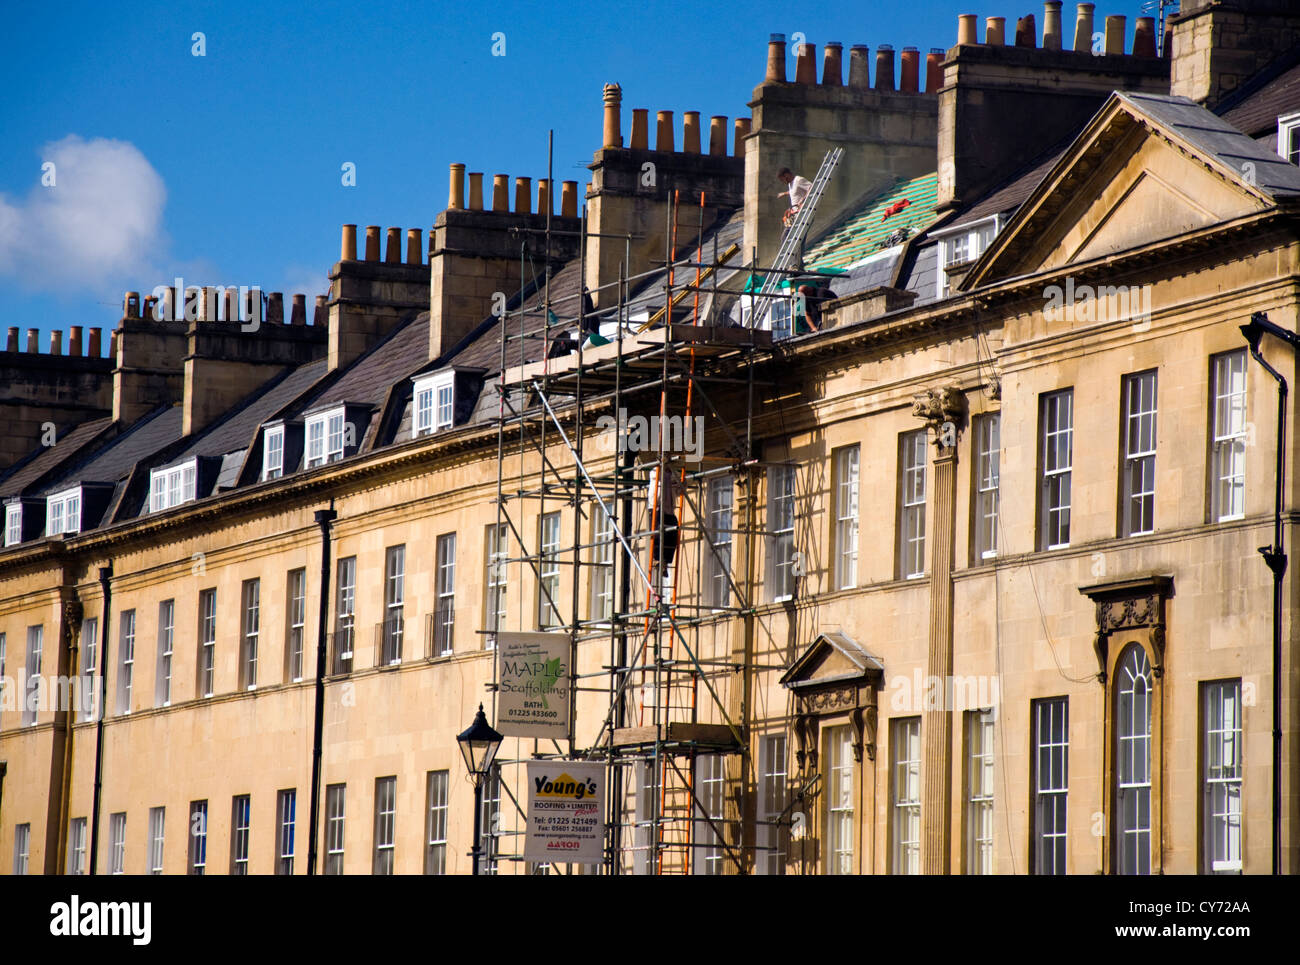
point(478, 743)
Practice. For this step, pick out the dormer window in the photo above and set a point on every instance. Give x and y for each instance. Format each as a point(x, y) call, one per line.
point(435, 398)
point(273, 453)
point(961, 246)
point(63, 512)
point(13, 524)
point(1288, 137)
point(173, 486)
point(325, 437)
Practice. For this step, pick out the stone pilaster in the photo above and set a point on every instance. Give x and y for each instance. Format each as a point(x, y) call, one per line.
point(944, 413)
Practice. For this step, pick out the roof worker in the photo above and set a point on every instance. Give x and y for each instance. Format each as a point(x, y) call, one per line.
point(799, 188)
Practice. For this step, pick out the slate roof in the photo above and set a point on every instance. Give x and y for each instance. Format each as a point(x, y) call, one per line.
point(115, 460)
point(47, 459)
point(1255, 106)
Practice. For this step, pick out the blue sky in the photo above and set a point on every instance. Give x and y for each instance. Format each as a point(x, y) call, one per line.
point(226, 168)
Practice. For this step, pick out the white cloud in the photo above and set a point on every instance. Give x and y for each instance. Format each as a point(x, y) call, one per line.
point(98, 225)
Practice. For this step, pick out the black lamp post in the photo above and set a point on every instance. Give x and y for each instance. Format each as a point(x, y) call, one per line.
point(478, 743)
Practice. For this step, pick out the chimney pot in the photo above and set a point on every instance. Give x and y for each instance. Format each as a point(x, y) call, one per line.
point(320, 316)
point(232, 304)
point(1115, 25)
point(805, 65)
point(613, 136)
point(414, 239)
point(909, 74)
point(275, 308)
point(544, 196)
point(523, 195)
point(743, 126)
point(500, 192)
point(34, 341)
point(74, 340)
point(640, 129)
point(56, 342)
point(394, 246)
point(299, 316)
point(456, 187)
point(832, 65)
point(131, 305)
point(859, 71)
point(1144, 37)
point(664, 131)
point(93, 349)
point(884, 67)
point(691, 132)
point(1052, 25)
point(1026, 32)
point(568, 199)
point(112, 347)
point(967, 25)
point(253, 305)
point(476, 191)
point(1083, 28)
point(995, 31)
point(208, 312)
point(934, 70)
point(11, 339)
point(718, 135)
point(349, 252)
point(372, 242)
point(775, 59)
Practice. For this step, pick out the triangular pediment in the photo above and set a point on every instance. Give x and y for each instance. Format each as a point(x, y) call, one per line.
point(1144, 170)
point(832, 658)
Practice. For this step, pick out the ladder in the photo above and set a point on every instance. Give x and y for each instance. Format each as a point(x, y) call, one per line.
point(793, 238)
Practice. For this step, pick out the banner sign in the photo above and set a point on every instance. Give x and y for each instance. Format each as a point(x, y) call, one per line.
point(565, 803)
point(533, 680)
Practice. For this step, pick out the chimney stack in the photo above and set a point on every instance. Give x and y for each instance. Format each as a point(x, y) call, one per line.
point(775, 59)
point(859, 69)
point(456, 187)
point(805, 64)
point(909, 74)
point(523, 195)
point(11, 339)
point(321, 315)
point(664, 131)
point(568, 199)
point(1052, 25)
point(500, 192)
point(884, 67)
point(832, 67)
point(56, 342)
point(640, 129)
point(1115, 25)
point(691, 132)
point(349, 252)
point(1083, 29)
point(1144, 37)
point(414, 237)
point(372, 242)
point(613, 136)
point(74, 340)
point(934, 70)
point(299, 310)
point(476, 191)
point(1026, 32)
point(995, 31)
point(718, 135)
point(34, 341)
point(93, 348)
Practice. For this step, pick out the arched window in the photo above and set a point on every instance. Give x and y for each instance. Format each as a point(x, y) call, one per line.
point(1133, 762)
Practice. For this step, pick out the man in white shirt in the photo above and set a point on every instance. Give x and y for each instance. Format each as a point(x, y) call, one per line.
point(799, 188)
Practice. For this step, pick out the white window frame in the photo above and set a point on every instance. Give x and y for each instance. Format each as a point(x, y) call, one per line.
point(548, 583)
point(286, 806)
point(117, 843)
point(719, 501)
point(496, 546)
point(444, 614)
point(241, 810)
point(434, 403)
point(35, 682)
point(13, 524)
point(335, 827)
point(781, 512)
point(126, 663)
point(22, 848)
point(1051, 767)
point(273, 453)
point(905, 791)
point(1288, 130)
point(1138, 482)
point(846, 516)
point(979, 791)
point(1056, 459)
point(385, 825)
point(962, 246)
point(326, 434)
point(157, 829)
point(296, 644)
point(773, 792)
point(437, 789)
point(394, 624)
point(197, 856)
point(77, 847)
point(345, 620)
point(89, 693)
point(912, 467)
point(841, 801)
point(251, 621)
point(1133, 748)
point(207, 642)
point(710, 793)
point(988, 459)
point(173, 486)
point(1221, 776)
point(489, 818)
point(63, 512)
point(1228, 434)
point(602, 566)
point(166, 645)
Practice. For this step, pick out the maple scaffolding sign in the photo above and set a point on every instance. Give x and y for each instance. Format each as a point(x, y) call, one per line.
point(533, 682)
point(565, 801)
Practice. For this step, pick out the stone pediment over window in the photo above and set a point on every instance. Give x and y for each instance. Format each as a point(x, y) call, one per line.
point(1128, 607)
point(834, 675)
point(833, 660)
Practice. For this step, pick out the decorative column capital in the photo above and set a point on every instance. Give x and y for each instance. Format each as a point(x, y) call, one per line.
point(944, 412)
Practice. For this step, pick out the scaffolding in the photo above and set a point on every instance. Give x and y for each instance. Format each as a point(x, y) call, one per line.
point(662, 641)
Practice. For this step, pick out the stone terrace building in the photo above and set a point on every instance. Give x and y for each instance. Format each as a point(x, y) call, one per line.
point(968, 578)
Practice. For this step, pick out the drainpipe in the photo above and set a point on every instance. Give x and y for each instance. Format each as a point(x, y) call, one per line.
point(1275, 558)
point(324, 517)
point(105, 576)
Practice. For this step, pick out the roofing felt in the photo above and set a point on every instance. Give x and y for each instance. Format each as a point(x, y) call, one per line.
point(869, 223)
point(1216, 138)
point(115, 460)
point(48, 458)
